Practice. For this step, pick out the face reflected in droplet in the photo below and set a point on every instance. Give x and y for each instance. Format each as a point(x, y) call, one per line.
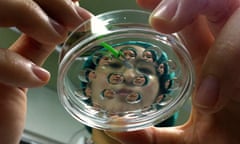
point(148, 56)
point(104, 60)
point(129, 53)
point(133, 98)
point(108, 93)
point(88, 92)
point(97, 106)
point(161, 68)
point(81, 94)
point(175, 83)
point(172, 65)
point(159, 98)
point(140, 80)
point(96, 57)
point(91, 75)
point(115, 78)
point(167, 84)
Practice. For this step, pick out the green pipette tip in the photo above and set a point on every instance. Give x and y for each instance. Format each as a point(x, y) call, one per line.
point(115, 52)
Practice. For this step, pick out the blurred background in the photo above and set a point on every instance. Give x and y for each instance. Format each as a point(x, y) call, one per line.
point(47, 121)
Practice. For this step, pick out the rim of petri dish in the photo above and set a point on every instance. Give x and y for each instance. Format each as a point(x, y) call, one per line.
point(116, 27)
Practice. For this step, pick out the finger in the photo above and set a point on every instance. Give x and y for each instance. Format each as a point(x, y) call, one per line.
point(196, 36)
point(32, 49)
point(65, 12)
point(149, 4)
point(220, 76)
point(17, 71)
point(149, 136)
point(198, 39)
point(173, 15)
point(13, 107)
point(31, 19)
point(27, 51)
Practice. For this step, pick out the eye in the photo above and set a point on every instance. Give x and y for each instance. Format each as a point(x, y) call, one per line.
point(147, 54)
point(115, 65)
point(145, 70)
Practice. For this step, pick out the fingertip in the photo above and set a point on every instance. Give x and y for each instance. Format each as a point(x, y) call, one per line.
point(149, 135)
point(148, 4)
point(162, 25)
point(83, 13)
point(18, 71)
point(163, 17)
point(171, 16)
point(132, 137)
point(42, 75)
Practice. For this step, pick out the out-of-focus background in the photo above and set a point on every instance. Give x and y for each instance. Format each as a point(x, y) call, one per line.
point(47, 121)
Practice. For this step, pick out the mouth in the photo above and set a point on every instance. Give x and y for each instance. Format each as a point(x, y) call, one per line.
point(124, 92)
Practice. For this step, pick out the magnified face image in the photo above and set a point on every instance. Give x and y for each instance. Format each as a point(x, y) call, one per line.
point(149, 56)
point(129, 53)
point(132, 83)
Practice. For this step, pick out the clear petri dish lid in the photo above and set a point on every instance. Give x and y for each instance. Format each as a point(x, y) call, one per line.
point(117, 73)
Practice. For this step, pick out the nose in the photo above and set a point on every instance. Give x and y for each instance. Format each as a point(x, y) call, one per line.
point(129, 75)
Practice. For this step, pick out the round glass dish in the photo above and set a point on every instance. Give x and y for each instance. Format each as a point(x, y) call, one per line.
point(117, 73)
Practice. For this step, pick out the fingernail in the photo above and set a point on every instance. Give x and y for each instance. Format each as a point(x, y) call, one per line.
point(82, 13)
point(166, 10)
point(208, 92)
point(40, 73)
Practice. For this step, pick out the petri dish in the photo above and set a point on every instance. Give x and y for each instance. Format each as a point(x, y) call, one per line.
point(117, 73)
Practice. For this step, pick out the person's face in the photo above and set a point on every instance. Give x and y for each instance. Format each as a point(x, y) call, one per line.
point(148, 56)
point(123, 85)
point(161, 68)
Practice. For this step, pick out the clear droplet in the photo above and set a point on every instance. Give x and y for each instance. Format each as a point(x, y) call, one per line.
point(159, 98)
point(176, 83)
point(101, 58)
point(172, 66)
point(87, 75)
point(108, 94)
point(81, 94)
point(161, 68)
point(149, 55)
point(133, 98)
point(115, 78)
point(166, 100)
point(129, 53)
point(140, 80)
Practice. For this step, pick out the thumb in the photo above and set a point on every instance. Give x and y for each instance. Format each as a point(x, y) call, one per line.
point(150, 135)
point(220, 78)
point(19, 72)
point(173, 15)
